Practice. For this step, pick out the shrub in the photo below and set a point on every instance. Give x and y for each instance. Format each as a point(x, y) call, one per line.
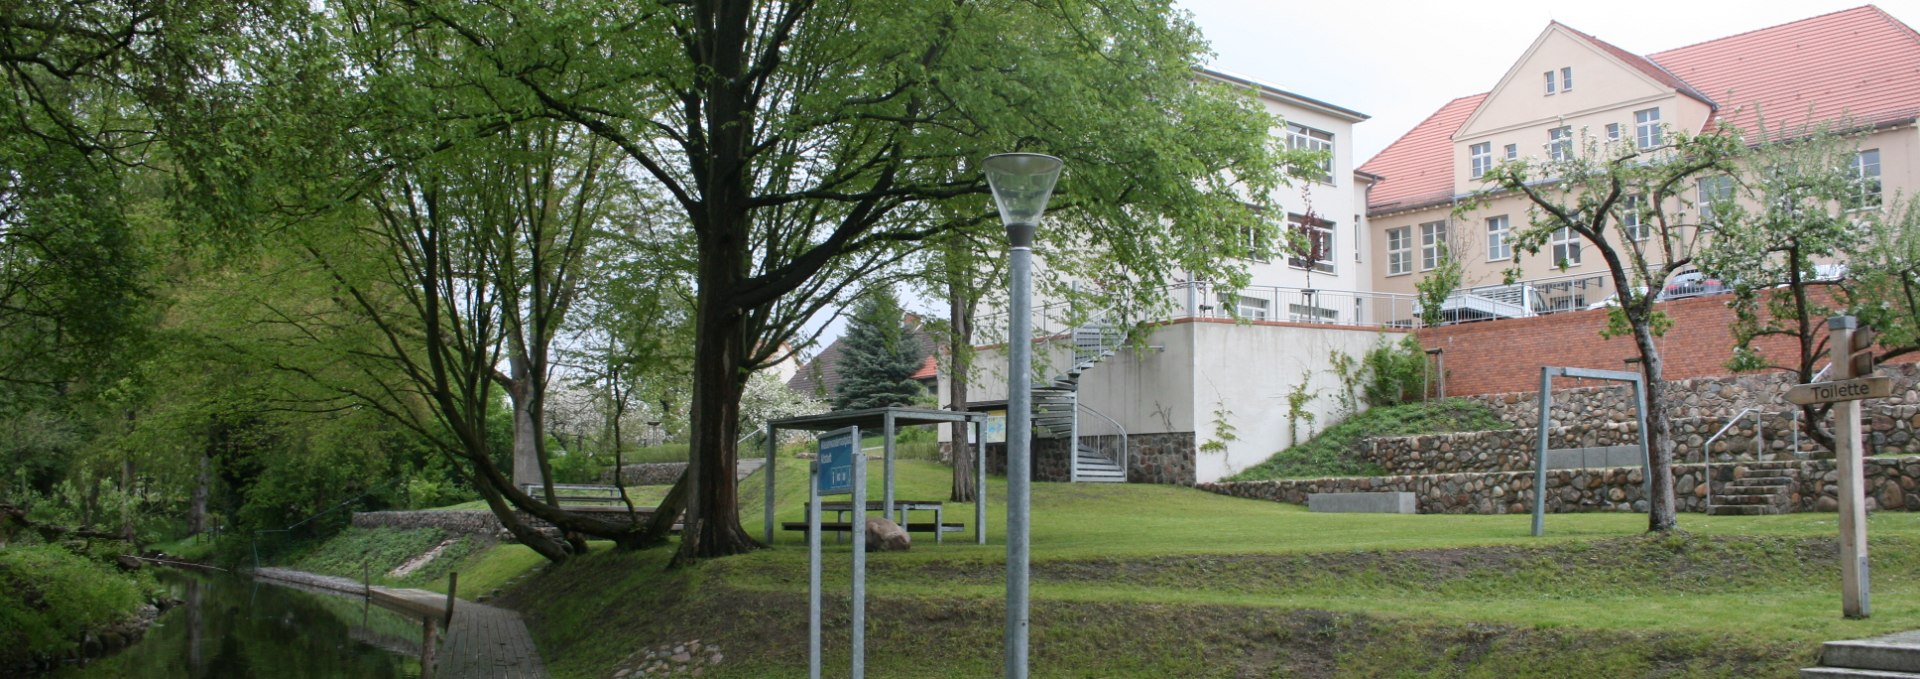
point(1395, 372)
point(1336, 451)
point(50, 598)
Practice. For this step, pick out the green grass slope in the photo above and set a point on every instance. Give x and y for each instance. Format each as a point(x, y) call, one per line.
point(1333, 452)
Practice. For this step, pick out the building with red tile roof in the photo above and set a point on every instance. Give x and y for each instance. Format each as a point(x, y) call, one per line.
point(1861, 66)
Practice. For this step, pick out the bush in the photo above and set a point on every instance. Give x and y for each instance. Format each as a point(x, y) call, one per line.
point(1395, 372)
point(1336, 452)
point(50, 598)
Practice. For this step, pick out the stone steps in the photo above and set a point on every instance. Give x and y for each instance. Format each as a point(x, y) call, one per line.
point(1753, 493)
point(1895, 656)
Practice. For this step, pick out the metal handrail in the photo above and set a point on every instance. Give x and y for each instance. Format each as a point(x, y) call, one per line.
point(1706, 449)
point(1126, 457)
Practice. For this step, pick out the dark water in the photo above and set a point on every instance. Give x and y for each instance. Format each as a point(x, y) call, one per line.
point(230, 627)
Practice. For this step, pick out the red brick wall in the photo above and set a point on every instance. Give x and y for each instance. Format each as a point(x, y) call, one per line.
point(1504, 356)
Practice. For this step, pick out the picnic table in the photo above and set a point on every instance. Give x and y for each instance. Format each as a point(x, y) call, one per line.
point(841, 508)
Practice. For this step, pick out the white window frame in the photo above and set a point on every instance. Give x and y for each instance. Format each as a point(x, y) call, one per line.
point(1499, 231)
point(1646, 128)
point(1553, 84)
point(1711, 190)
point(1303, 138)
point(1308, 313)
point(1433, 244)
point(1400, 251)
point(1317, 229)
point(1256, 251)
point(1480, 159)
point(1565, 247)
point(1566, 78)
point(1613, 131)
point(1631, 223)
point(1867, 189)
point(1513, 151)
point(1245, 307)
point(1560, 142)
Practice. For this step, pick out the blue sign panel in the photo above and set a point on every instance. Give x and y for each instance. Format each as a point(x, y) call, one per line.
point(836, 455)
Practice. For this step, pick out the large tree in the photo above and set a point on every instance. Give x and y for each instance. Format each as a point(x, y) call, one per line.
point(806, 143)
point(1632, 205)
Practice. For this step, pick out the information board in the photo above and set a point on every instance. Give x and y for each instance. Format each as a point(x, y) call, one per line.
point(836, 455)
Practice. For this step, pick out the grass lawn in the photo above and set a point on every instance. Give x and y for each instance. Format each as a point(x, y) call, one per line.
point(1154, 581)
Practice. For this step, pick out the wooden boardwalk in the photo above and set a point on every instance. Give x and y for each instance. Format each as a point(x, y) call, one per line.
point(483, 642)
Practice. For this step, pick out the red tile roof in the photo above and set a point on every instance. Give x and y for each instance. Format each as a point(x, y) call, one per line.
point(1417, 169)
point(1860, 62)
point(1643, 65)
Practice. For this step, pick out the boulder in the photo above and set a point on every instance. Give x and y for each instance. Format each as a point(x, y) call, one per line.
point(883, 535)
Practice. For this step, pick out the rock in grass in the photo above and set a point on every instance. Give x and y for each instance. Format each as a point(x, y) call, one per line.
point(883, 535)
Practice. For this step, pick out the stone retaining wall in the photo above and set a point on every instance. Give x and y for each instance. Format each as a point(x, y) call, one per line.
point(1512, 450)
point(462, 521)
point(1890, 484)
point(648, 474)
point(1701, 397)
point(1166, 458)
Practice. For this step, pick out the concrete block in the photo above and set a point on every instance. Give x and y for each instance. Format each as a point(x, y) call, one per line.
point(1621, 456)
point(1571, 458)
point(1373, 503)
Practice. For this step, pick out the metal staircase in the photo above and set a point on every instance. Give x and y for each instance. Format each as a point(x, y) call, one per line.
point(1057, 408)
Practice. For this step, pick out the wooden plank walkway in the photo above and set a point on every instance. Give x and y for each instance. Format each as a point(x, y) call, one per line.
point(484, 642)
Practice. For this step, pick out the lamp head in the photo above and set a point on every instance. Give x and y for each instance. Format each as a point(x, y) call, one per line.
point(1022, 183)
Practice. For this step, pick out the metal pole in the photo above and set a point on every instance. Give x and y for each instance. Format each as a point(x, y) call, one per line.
point(1019, 443)
point(771, 446)
point(813, 567)
point(858, 536)
point(1855, 601)
point(886, 435)
point(1540, 454)
point(1646, 452)
point(980, 481)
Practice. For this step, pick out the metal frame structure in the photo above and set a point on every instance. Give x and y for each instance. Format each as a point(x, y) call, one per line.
point(886, 421)
point(1547, 374)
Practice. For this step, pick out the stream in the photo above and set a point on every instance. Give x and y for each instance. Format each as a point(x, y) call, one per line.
point(229, 627)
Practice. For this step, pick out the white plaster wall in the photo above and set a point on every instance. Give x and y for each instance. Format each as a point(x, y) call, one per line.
point(1250, 369)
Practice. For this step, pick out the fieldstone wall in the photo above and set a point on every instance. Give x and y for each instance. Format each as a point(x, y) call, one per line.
point(648, 474)
point(1701, 397)
point(463, 521)
point(1891, 485)
point(1512, 450)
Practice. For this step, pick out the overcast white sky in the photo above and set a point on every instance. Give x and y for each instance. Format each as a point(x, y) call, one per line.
point(1399, 60)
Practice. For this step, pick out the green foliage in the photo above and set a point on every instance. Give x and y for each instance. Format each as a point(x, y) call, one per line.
point(1297, 414)
point(1348, 370)
point(1396, 372)
point(1224, 432)
point(879, 356)
point(382, 550)
point(1335, 452)
point(50, 598)
point(1435, 286)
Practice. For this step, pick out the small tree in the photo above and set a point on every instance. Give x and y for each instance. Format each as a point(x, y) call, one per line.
point(1629, 204)
point(881, 356)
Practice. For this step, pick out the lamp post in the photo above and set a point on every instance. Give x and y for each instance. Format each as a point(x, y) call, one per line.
point(1022, 183)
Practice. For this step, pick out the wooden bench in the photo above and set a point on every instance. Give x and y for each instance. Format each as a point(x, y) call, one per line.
point(567, 493)
point(847, 527)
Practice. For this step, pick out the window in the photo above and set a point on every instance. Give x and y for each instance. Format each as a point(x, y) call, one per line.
point(1513, 151)
point(1433, 244)
point(1257, 249)
point(1497, 232)
point(1632, 222)
point(1566, 248)
point(1713, 190)
point(1480, 158)
point(1250, 308)
point(1318, 241)
point(1865, 174)
point(1553, 84)
point(1307, 313)
point(1646, 127)
point(1566, 79)
point(1613, 131)
point(1560, 142)
point(1400, 251)
point(1302, 138)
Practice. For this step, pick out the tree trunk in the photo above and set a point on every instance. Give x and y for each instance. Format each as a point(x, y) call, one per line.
point(960, 353)
point(1661, 505)
point(126, 502)
point(712, 525)
point(197, 515)
point(527, 535)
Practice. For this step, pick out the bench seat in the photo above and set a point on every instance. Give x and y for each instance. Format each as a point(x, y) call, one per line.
point(847, 527)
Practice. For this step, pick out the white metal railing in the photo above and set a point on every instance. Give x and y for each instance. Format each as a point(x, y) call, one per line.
point(1318, 306)
point(1706, 449)
point(1119, 455)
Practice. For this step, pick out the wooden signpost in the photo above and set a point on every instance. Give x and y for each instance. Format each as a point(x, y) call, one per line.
point(1852, 365)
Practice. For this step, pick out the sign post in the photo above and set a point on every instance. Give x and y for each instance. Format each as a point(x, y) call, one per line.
point(839, 468)
point(1852, 358)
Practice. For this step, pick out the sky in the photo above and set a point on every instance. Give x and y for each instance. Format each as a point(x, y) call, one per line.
point(1399, 60)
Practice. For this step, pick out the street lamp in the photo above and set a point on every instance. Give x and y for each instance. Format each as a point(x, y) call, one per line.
point(1021, 184)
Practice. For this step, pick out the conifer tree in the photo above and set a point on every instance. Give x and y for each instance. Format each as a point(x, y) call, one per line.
point(881, 356)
